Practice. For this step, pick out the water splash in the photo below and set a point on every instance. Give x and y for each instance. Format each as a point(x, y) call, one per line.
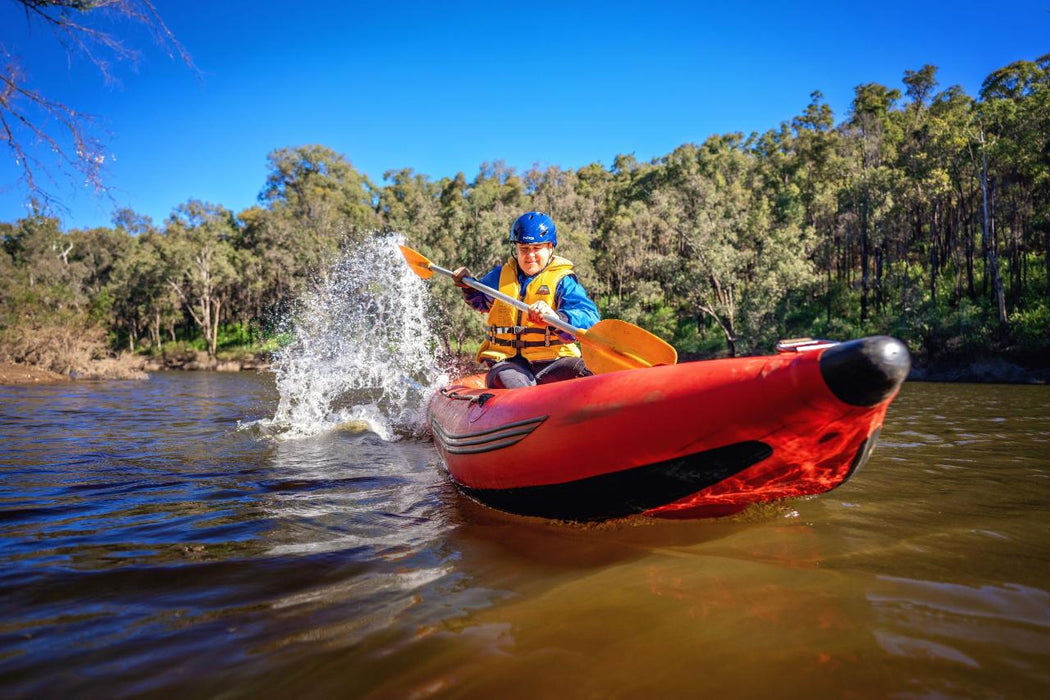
point(364, 355)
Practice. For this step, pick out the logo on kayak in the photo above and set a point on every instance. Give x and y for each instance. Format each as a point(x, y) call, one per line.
point(484, 440)
point(544, 290)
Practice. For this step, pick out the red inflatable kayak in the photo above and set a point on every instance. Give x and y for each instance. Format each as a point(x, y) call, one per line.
point(689, 440)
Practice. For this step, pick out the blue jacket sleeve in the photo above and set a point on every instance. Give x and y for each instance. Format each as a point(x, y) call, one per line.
point(573, 304)
point(479, 300)
point(570, 299)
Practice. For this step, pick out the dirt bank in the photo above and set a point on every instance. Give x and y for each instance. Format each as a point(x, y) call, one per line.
point(200, 361)
point(123, 367)
point(980, 371)
point(11, 373)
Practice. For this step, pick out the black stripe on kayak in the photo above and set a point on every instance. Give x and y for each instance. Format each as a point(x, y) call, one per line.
point(485, 440)
point(862, 456)
point(626, 492)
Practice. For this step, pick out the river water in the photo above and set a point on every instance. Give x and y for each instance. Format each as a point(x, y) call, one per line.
point(155, 540)
point(294, 535)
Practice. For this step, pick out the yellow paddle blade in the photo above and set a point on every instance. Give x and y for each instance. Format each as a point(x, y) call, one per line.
point(419, 264)
point(613, 345)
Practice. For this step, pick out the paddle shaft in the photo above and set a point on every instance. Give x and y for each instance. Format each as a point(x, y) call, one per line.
point(516, 303)
point(608, 346)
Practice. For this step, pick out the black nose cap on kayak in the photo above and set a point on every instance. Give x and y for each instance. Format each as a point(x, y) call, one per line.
point(864, 372)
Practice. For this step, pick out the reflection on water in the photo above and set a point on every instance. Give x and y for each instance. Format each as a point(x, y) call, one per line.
point(151, 545)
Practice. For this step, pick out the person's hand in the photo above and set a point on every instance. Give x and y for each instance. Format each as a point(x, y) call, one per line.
point(538, 310)
point(459, 273)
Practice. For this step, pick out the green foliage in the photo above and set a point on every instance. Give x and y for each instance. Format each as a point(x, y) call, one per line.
point(875, 225)
point(1031, 327)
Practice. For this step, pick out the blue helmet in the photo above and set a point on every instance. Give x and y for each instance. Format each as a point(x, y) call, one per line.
point(532, 228)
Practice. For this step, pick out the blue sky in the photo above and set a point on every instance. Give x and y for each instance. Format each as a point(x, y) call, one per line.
point(444, 87)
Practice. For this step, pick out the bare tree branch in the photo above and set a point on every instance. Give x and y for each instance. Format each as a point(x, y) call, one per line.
point(33, 124)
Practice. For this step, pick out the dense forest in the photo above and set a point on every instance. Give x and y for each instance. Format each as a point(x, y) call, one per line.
point(924, 213)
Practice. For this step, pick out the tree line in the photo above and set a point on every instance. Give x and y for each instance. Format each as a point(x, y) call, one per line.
point(924, 213)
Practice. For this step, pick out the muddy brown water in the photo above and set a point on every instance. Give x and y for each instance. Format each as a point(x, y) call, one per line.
point(151, 545)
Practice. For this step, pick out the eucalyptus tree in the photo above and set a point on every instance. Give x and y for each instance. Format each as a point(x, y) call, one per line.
point(316, 203)
point(40, 251)
point(552, 191)
point(96, 252)
point(711, 188)
point(994, 155)
point(447, 242)
point(787, 205)
point(409, 204)
point(739, 257)
point(819, 171)
point(9, 281)
point(320, 186)
point(453, 220)
point(277, 266)
point(143, 299)
point(621, 244)
point(562, 195)
point(1015, 110)
point(200, 263)
point(922, 210)
point(474, 222)
point(493, 201)
point(874, 131)
point(44, 308)
point(949, 124)
point(593, 186)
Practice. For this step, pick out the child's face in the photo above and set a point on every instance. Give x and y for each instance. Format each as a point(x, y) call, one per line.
point(533, 258)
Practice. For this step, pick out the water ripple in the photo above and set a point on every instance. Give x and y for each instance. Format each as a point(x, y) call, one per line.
point(169, 552)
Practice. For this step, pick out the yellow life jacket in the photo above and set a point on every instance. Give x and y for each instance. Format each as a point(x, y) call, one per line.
point(511, 333)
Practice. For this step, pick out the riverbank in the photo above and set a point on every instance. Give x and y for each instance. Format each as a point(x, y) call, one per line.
point(200, 361)
point(123, 367)
point(987, 370)
point(981, 371)
point(10, 373)
point(132, 367)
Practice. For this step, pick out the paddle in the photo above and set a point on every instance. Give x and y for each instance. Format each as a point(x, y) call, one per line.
point(608, 346)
